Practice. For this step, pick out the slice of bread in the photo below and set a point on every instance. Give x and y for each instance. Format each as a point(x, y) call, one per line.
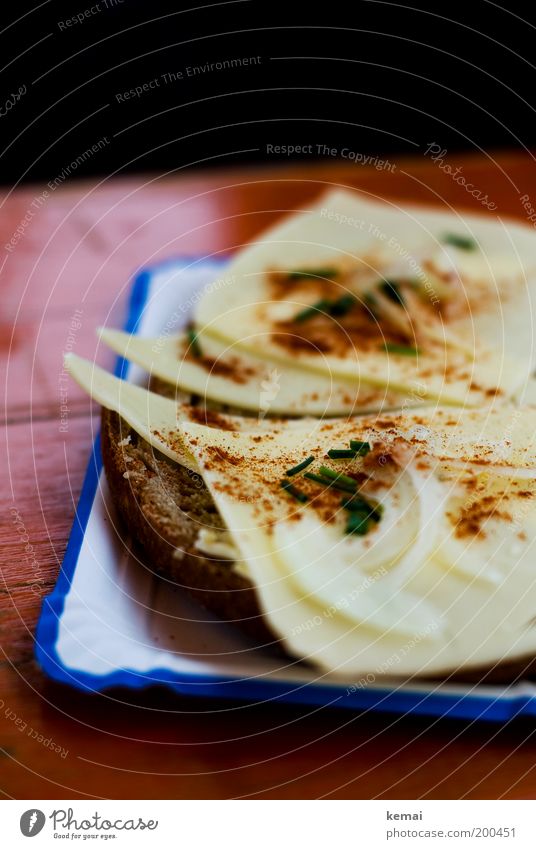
point(164, 506)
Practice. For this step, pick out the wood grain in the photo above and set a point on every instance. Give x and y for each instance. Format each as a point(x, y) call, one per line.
point(79, 253)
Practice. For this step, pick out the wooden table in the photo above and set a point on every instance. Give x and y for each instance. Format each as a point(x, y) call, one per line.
point(77, 249)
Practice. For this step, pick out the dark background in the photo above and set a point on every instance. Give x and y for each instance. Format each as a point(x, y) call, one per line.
point(378, 78)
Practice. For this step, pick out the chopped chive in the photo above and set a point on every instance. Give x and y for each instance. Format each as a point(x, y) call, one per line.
point(391, 290)
point(360, 448)
point(371, 303)
point(405, 350)
point(333, 474)
point(296, 493)
point(304, 273)
point(194, 343)
point(341, 453)
point(336, 308)
point(358, 515)
point(377, 512)
point(465, 243)
point(300, 467)
point(357, 524)
point(356, 504)
point(342, 305)
point(309, 312)
point(317, 478)
point(333, 483)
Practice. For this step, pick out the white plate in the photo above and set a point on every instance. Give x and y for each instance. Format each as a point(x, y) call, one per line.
point(111, 622)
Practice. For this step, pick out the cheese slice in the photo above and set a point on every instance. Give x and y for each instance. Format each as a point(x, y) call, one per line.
point(152, 416)
point(229, 375)
point(444, 580)
point(156, 418)
point(501, 438)
point(464, 354)
point(341, 601)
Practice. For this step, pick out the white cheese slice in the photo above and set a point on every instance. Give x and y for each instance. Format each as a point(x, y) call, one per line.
point(345, 228)
point(503, 437)
point(328, 606)
point(229, 375)
point(500, 438)
point(154, 417)
point(422, 593)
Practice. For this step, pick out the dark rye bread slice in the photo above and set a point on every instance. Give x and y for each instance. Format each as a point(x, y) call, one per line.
point(164, 505)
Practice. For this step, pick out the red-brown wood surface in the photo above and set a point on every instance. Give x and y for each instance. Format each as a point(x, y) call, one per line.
point(78, 251)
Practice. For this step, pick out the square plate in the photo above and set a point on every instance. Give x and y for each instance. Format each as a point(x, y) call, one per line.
point(111, 622)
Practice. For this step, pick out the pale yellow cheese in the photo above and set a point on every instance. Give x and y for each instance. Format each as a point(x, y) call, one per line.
point(341, 602)
point(230, 375)
point(152, 416)
point(388, 240)
point(411, 597)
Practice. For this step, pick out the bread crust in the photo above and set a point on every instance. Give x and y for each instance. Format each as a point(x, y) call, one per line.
point(164, 505)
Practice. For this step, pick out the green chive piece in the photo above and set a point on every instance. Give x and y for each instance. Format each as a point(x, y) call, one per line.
point(342, 305)
point(317, 478)
point(305, 273)
point(405, 350)
point(330, 482)
point(296, 493)
point(377, 512)
point(360, 448)
point(341, 453)
point(193, 339)
point(391, 290)
point(336, 308)
point(300, 467)
point(334, 474)
point(321, 306)
point(338, 478)
point(356, 504)
point(357, 524)
point(465, 243)
point(371, 304)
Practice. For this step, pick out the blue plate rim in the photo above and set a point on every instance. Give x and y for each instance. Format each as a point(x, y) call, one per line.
point(467, 706)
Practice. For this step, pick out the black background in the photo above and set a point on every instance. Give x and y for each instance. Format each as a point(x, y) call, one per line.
point(374, 77)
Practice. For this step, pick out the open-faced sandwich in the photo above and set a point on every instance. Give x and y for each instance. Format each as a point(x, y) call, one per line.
point(338, 453)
